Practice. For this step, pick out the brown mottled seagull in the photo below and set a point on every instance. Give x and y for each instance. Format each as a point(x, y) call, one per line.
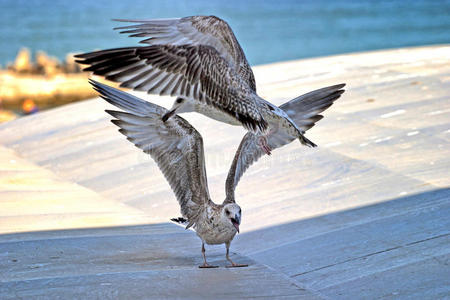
point(199, 60)
point(304, 111)
point(177, 148)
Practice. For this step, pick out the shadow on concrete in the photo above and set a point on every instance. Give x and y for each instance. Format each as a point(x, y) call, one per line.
point(305, 228)
point(310, 227)
point(320, 253)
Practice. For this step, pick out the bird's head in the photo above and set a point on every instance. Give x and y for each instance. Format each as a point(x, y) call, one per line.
point(232, 213)
point(180, 105)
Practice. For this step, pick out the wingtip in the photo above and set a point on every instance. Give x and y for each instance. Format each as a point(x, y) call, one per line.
point(97, 86)
point(81, 61)
point(119, 20)
point(115, 122)
point(126, 21)
point(111, 112)
point(335, 87)
point(101, 88)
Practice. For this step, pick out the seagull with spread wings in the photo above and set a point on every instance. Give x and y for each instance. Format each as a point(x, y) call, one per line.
point(199, 60)
point(177, 148)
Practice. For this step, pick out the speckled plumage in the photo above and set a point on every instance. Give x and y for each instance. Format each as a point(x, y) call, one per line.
point(199, 59)
point(213, 228)
point(177, 148)
point(304, 111)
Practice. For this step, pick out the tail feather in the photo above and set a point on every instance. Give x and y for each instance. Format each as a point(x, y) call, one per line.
point(179, 220)
point(305, 110)
point(182, 222)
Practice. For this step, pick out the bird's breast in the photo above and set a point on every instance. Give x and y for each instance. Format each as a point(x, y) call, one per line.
point(214, 232)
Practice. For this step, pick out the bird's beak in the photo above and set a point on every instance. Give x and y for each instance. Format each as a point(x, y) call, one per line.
point(236, 222)
point(168, 115)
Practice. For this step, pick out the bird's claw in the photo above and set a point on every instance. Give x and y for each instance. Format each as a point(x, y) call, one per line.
point(206, 266)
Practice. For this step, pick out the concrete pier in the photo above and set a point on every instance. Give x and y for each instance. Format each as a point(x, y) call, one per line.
point(85, 214)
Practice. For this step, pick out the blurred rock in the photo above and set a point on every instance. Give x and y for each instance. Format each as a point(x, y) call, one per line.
point(47, 81)
point(45, 91)
point(23, 61)
point(48, 65)
point(44, 64)
point(71, 66)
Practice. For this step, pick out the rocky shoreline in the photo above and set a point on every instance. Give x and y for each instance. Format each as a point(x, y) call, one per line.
point(27, 86)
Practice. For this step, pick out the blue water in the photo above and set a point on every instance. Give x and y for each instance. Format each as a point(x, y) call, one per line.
point(268, 31)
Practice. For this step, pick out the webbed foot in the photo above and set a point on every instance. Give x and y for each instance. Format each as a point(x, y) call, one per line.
point(237, 265)
point(207, 266)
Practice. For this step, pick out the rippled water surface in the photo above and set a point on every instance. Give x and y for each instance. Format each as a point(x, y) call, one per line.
point(268, 31)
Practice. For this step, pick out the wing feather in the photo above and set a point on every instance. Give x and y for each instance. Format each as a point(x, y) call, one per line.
point(304, 111)
point(195, 30)
point(175, 145)
point(198, 73)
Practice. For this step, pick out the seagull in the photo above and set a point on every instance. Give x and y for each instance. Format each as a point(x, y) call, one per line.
point(199, 60)
point(177, 148)
point(304, 110)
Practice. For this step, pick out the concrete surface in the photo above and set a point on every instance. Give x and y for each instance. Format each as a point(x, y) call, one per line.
point(363, 216)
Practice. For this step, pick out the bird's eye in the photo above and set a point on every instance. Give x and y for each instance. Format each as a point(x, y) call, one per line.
point(239, 211)
point(227, 212)
point(179, 100)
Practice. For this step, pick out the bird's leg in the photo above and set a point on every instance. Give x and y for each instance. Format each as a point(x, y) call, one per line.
point(262, 142)
point(205, 264)
point(233, 265)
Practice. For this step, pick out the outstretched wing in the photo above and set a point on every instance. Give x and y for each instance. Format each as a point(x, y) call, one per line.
point(196, 72)
point(175, 145)
point(196, 30)
point(304, 110)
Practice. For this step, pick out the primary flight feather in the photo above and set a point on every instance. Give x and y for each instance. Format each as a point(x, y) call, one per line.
point(199, 60)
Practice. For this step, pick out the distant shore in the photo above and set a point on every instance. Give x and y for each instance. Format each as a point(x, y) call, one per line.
point(28, 85)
